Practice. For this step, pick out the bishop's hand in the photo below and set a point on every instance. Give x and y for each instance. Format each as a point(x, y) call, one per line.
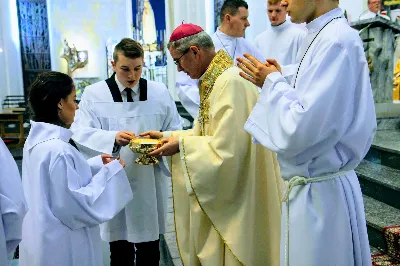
point(152, 134)
point(255, 71)
point(169, 147)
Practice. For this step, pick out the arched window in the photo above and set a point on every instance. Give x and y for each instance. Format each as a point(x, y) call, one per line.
point(34, 38)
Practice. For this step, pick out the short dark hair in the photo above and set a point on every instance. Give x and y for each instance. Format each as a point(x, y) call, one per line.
point(129, 48)
point(45, 93)
point(231, 7)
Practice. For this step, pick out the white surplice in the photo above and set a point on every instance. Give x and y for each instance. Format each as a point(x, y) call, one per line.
point(68, 197)
point(281, 42)
point(325, 124)
point(369, 14)
point(97, 122)
point(12, 205)
point(187, 88)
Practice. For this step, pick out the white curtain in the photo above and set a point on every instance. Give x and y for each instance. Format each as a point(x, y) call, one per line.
point(11, 82)
point(354, 8)
point(258, 19)
point(176, 12)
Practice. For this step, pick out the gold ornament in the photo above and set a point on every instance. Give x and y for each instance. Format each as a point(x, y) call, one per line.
point(221, 62)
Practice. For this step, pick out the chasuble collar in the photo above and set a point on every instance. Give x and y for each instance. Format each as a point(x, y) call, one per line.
point(121, 87)
point(221, 62)
point(318, 23)
point(41, 132)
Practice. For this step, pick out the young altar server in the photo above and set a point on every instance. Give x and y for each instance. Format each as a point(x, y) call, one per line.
point(111, 113)
point(321, 126)
point(282, 39)
point(68, 197)
point(12, 205)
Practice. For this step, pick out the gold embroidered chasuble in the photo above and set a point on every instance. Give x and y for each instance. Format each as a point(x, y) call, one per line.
point(226, 190)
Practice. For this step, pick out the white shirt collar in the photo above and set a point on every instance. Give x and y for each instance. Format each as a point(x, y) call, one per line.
point(122, 88)
point(225, 36)
point(41, 132)
point(321, 21)
point(281, 27)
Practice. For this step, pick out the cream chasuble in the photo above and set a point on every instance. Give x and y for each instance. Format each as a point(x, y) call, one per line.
point(226, 190)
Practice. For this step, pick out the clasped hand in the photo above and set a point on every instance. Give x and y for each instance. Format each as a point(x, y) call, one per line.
point(255, 71)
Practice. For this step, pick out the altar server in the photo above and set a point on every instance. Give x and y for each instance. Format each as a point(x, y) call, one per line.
point(228, 37)
point(111, 113)
point(282, 39)
point(12, 205)
point(321, 126)
point(68, 197)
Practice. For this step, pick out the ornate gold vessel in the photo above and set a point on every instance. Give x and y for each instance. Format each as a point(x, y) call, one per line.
point(144, 147)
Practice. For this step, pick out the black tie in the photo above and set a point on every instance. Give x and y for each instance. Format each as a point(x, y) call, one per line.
point(73, 144)
point(129, 95)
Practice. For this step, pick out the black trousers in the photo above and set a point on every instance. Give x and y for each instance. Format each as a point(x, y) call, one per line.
point(123, 253)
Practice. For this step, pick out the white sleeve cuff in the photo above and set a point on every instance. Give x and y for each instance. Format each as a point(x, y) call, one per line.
point(289, 70)
point(271, 79)
point(166, 134)
point(95, 164)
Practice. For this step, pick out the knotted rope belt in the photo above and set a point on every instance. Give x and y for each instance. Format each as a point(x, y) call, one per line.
point(301, 181)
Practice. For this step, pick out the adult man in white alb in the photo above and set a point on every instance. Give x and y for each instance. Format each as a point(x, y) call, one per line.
point(229, 37)
point(283, 39)
point(12, 205)
point(111, 113)
point(374, 9)
point(321, 127)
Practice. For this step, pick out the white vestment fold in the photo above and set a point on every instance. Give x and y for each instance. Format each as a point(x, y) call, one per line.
point(281, 42)
point(12, 205)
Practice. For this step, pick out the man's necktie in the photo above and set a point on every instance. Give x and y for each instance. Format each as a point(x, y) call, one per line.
point(129, 94)
point(73, 144)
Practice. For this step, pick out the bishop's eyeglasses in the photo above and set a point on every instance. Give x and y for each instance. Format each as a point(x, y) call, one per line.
point(177, 60)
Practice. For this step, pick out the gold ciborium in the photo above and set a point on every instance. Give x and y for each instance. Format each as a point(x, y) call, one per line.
point(144, 147)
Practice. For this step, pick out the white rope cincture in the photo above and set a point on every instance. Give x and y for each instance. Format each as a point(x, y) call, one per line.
point(290, 184)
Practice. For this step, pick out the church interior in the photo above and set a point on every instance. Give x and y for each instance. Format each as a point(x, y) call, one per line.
point(78, 38)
